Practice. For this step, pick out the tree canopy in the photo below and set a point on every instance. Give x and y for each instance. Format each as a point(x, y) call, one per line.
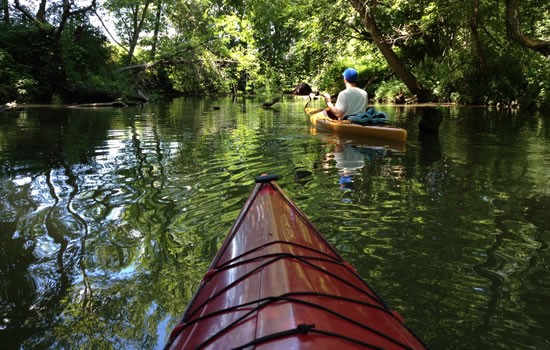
point(475, 52)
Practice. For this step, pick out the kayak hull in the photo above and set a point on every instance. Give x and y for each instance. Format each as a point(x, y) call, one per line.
point(320, 120)
point(276, 283)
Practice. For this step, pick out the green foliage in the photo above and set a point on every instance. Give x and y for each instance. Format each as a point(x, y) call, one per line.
point(8, 77)
point(238, 46)
point(266, 47)
point(448, 76)
point(202, 77)
point(87, 69)
point(538, 83)
point(37, 68)
point(19, 65)
point(388, 89)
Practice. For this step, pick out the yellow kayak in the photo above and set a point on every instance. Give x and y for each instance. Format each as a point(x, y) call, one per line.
point(320, 120)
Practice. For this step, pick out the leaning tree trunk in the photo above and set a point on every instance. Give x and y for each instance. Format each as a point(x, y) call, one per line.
point(514, 32)
point(6, 10)
point(158, 18)
point(402, 72)
point(138, 19)
point(474, 25)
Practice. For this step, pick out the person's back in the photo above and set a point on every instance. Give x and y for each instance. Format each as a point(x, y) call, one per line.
point(351, 101)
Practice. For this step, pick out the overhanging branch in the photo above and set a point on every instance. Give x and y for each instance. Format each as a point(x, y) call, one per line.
point(515, 33)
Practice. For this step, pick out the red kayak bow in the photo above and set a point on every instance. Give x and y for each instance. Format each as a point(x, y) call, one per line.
point(276, 283)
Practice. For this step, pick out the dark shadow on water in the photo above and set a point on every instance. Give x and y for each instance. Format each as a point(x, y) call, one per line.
point(430, 149)
point(428, 137)
point(431, 120)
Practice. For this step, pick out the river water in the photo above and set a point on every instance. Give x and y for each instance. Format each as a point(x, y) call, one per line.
point(110, 217)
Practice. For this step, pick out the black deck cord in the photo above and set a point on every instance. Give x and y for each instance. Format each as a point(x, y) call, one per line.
point(337, 259)
point(375, 297)
point(329, 258)
point(308, 222)
point(275, 257)
point(274, 177)
point(268, 179)
point(280, 256)
point(303, 329)
point(270, 300)
point(259, 179)
point(300, 329)
point(265, 245)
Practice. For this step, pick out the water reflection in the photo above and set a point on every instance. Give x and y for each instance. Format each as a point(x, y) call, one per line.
point(349, 161)
point(109, 218)
point(351, 158)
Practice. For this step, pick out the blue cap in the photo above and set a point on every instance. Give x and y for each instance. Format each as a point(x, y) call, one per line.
point(350, 75)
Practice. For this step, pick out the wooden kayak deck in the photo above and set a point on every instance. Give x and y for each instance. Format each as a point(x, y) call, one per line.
point(276, 283)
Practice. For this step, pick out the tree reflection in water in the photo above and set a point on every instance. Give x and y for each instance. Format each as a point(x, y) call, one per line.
point(109, 218)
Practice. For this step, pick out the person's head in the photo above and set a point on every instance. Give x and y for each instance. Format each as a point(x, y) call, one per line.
point(350, 75)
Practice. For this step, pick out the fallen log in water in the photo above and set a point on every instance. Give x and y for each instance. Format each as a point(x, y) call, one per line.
point(114, 104)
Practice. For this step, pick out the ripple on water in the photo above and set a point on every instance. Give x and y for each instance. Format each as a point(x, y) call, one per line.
point(453, 234)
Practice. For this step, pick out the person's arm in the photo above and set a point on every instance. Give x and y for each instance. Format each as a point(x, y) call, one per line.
point(338, 113)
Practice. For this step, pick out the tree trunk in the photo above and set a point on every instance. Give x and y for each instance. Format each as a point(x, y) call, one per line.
point(6, 10)
point(514, 31)
point(138, 19)
point(157, 30)
point(64, 17)
point(41, 21)
point(474, 25)
point(41, 13)
point(402, 72)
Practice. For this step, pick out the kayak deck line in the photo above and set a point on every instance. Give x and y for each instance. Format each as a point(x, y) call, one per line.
point(276, 242)
point(323, 257)
point(261, 303)
point(276, 283)
point(305, 329)
point(300, 329)
point(276, 257)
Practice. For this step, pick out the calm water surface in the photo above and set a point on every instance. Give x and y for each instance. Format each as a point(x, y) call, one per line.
point(109, 218)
